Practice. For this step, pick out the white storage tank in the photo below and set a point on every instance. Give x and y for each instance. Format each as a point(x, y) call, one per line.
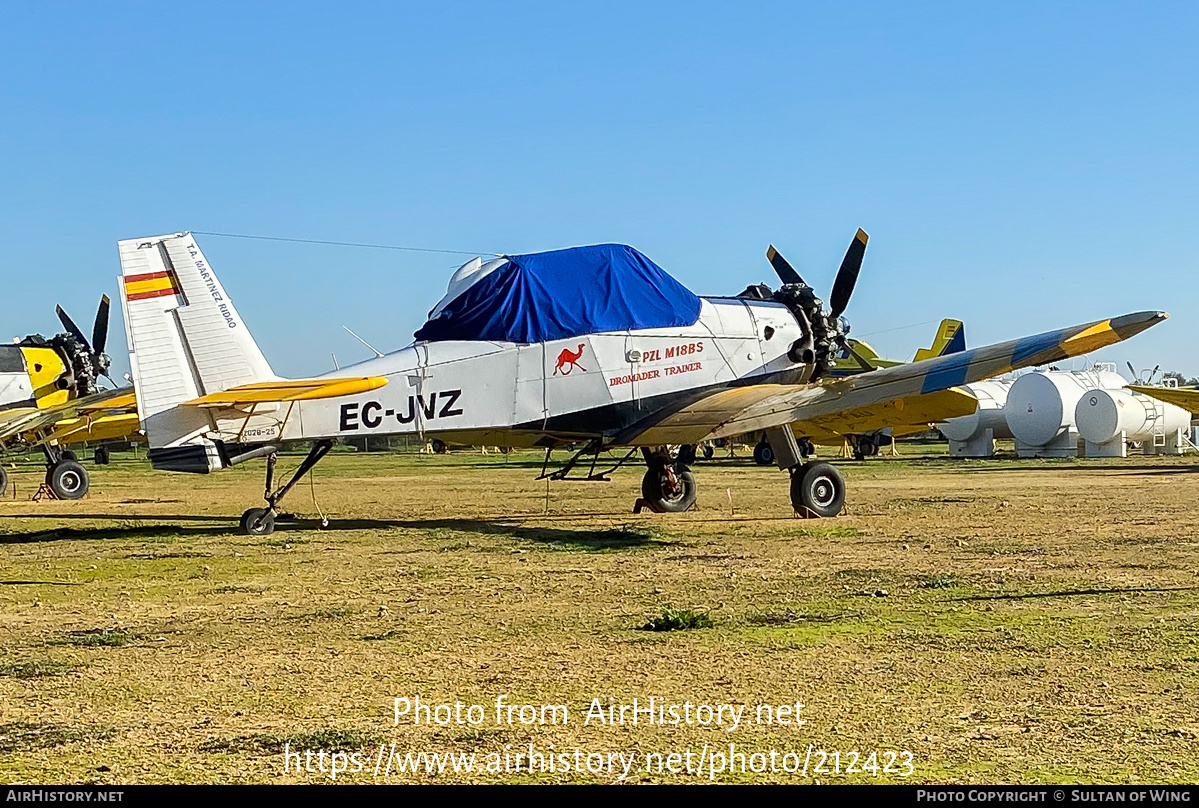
point(974, 435)
point(1040, 408)
point(1109, 419)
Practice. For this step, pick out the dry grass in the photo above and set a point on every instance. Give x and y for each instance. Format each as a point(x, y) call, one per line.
point(1026, 622)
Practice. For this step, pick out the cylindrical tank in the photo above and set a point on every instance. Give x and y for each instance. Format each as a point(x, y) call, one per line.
point(1040, 406)
point(989, 415)
point(1101, 415)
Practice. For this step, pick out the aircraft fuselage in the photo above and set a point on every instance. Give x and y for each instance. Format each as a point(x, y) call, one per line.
point(590, 386)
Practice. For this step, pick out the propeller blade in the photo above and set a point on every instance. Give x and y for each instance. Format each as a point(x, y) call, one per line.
point(784, 270)
point(847, 275)
point(100, 329)
point(69, 324)
point(1133, 371)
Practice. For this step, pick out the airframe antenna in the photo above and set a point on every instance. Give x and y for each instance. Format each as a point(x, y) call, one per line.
point(364, 342)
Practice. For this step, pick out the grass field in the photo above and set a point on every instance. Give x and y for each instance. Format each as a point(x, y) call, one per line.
point(1000, 621)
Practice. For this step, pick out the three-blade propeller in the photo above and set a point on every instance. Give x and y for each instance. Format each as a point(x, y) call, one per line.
point(95, 347)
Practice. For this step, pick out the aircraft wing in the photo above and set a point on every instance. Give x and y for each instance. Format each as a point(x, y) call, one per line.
point(28, 420)
point(1185, 397)
point(287, 390)
point(857, 400)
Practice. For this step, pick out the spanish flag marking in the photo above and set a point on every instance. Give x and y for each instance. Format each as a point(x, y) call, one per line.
point(153, 284)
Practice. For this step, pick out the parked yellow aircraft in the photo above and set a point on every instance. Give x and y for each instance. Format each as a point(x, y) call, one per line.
point(858, 357)
point(50, 398)
point(1185, 397)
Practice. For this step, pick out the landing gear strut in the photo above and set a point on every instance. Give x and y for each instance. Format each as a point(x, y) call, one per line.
point(261, 521)
point(668, 485)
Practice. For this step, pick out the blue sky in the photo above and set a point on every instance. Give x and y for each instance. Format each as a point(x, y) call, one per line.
point(1020, 166)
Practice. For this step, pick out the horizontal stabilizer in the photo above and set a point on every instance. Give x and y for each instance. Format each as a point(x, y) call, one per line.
point(288, 390)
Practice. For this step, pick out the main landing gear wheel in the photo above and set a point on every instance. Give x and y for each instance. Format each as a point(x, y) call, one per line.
point(763, 454)
point(258, 522)
point(668, 489)
point(818, 488)
point(102, 457)
point(67, 479)
point(864, 448)
point(439, 446)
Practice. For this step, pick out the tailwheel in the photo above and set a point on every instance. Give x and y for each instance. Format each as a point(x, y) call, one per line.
point(668, 488)
point(817, 489)
point(261, 521)
point(67, 479)
point(258, 522)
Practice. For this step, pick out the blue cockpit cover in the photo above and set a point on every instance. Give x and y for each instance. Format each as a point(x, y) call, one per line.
point(565, 293)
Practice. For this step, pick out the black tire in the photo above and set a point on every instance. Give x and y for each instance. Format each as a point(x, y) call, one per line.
point(819, 488)
point(763, 454)
point(102, 457)
point(708, 451)
point(67, 479)
point(686, 454)
point(69, 455)
point(439, 447)
point(3, 481)
point(258, 522)
point(653, 491)
point(505, 450)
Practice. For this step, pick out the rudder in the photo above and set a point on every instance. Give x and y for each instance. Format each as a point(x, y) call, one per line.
point(950, 339)
point(185, 336)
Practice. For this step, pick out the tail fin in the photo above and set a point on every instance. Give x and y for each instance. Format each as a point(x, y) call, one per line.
point(950, 339)
point(186, 339)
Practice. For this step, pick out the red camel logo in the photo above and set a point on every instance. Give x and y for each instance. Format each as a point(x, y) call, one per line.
point(568, 360)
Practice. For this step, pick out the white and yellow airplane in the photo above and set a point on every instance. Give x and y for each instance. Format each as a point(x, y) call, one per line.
point(593, 345)
point(50, 399)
